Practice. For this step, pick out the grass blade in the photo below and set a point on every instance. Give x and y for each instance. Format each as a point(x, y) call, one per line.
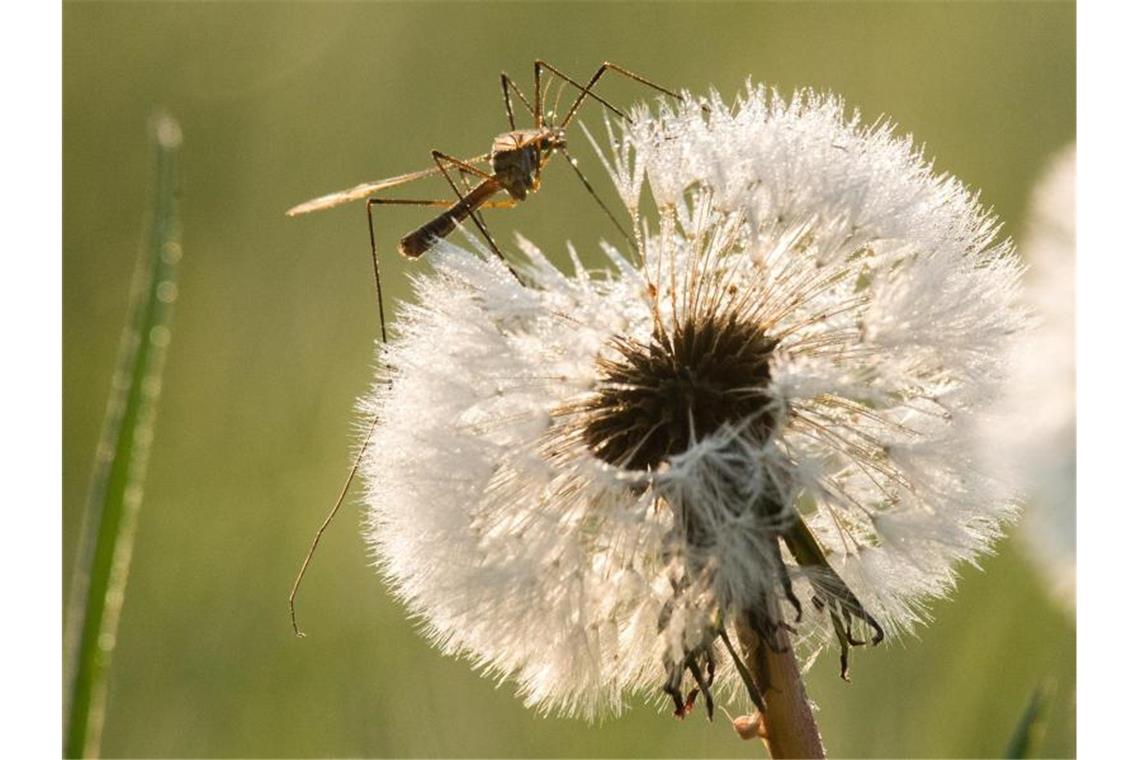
point(115, 493)
point(1027, 734)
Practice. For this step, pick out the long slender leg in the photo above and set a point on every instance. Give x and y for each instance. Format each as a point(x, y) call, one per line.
point(509, 88)
point(321, 530)
point(376, 257)
point(590, 189)
point(504, 81)
point(440, 159)
point(459, 164)
point(540, 96)
point(465, 168)
point(372, 425)
point(587, 90)
point(537, 113)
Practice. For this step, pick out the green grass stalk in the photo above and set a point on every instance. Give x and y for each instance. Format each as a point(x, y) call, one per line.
point(1031, 725)
point(115, 494)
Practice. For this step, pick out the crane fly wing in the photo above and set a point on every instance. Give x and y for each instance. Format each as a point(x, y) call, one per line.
point(365, 189)
point(357, 193)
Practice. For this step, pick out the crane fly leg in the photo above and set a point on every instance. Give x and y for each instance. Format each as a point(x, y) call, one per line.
point(321, 530)
point(593, 194)
point(372, 424)
point(460, 165)
point(509, 88)
point(441, 159)
point(372, 243)
point(441, 203)
point(588, 90)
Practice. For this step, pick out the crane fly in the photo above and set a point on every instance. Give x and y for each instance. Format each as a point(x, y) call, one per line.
point(516, 160)
point(515, 163)
point(514, 166)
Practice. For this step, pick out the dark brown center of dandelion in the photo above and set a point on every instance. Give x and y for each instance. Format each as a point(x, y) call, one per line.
point(656, 399)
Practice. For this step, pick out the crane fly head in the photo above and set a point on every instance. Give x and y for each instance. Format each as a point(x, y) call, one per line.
point(553, 138)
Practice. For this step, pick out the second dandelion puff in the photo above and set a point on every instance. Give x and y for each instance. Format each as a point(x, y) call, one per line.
point(588, 482)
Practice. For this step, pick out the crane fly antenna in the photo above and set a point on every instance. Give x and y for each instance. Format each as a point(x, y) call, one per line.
point(546, 99)
point(557, 97)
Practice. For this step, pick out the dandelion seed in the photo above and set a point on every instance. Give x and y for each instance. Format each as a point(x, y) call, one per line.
point(762, 416)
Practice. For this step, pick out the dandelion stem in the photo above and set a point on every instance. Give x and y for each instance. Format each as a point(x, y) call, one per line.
point(789, 726)
point(115, 493)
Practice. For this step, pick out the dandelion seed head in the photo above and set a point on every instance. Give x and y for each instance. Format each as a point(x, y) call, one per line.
point(581, 481)
point(1039, 446)
point(655, 400)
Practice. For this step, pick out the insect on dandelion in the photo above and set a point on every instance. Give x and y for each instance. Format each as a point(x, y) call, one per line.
point(759, 419)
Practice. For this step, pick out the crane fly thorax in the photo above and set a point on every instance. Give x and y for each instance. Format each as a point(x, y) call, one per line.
point(517, 158)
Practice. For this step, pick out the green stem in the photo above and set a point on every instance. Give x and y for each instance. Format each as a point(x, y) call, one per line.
point(789, 727)
point(115, 493)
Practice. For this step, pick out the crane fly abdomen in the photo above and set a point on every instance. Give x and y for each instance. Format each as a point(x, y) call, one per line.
point(415, 243)
point(516, 161)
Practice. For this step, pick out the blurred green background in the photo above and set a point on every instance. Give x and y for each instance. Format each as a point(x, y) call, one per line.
point(274, 338)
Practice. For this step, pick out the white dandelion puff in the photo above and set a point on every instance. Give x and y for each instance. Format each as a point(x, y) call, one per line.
point(1040, 447)
point(763, 415)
